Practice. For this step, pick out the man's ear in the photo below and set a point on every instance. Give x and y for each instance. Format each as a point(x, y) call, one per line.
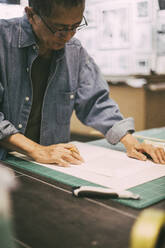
point(29, 13)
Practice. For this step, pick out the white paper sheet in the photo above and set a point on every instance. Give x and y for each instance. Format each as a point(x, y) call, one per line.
point(111, 168)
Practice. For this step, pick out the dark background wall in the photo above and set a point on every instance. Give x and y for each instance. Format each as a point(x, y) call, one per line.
point(162, 4)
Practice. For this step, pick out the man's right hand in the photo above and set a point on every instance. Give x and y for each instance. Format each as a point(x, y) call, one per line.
point(60, 154)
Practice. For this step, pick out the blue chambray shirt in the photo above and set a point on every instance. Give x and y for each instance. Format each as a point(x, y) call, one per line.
point(75, 83)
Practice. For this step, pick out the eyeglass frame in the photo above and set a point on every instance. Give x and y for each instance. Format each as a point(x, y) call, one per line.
point(66, 29)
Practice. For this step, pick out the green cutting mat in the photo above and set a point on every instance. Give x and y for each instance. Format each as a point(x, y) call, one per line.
point(150, 192)
point(158, 133)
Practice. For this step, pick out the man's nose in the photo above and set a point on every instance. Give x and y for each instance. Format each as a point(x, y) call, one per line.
point(67, 35)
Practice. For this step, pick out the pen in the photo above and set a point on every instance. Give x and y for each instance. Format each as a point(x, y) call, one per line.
point(73, 149)
point(92, 191)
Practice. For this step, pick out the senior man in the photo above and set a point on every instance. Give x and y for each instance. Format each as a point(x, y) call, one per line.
point(45, 74)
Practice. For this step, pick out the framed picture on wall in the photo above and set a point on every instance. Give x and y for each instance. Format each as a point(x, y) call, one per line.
point(114, 26)
point(90, 14)
point(88, 38)
point(143, 38)
point(142, 64)
point(122, 63)
point(143, 10)
point(13, 10)
point(114, 63)
point(105, 62)
point(10, 1)
point(161, 33)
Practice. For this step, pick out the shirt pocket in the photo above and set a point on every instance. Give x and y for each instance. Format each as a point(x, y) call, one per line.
point(64, 105)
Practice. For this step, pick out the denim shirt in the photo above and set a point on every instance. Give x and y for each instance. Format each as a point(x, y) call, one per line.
point(74, 83)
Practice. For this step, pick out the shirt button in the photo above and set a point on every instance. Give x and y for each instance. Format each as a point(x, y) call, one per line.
point(27, 69)
point(34, 47)
point(71, 96)
point(26, 98)
point(20, 125)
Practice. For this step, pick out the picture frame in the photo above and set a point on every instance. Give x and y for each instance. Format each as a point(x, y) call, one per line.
point(9, 11)
point(142, 64)
point(143, 42)
point(10, 1)
point(85, 38)
point(161, 34)
point(114, 26)
point(114, 64)
point(91, 15)
point(143, 10)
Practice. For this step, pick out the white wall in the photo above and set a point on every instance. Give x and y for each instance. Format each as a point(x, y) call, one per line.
point(12, 10)
point(122, 36)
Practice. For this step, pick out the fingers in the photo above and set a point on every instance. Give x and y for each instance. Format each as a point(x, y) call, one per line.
point(157, 154)
point(138, 155)
point(61, 155)
point(71, 159)
point(154, 156)
point(160, 154)
point(71, 154)
point(77, 156)
point(71, 147)
point(61, 162)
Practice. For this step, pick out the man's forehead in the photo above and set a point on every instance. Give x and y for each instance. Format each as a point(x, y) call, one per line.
point(63, 15)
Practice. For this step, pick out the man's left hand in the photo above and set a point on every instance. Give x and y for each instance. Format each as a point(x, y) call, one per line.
point(141, 150)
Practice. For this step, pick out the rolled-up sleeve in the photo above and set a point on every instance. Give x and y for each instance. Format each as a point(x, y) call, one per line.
point(119, 129)
point(6, 127)
point(93, 105)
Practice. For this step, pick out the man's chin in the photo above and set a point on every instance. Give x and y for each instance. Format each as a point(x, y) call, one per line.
point(57, 46)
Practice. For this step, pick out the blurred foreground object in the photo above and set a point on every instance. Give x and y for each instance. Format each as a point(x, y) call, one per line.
point(149, 230)
point(7, 183)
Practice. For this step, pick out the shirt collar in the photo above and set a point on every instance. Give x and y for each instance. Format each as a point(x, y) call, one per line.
point(27, 36)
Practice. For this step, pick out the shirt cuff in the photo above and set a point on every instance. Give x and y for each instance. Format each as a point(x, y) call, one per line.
point(7, 129)
point(119, 130)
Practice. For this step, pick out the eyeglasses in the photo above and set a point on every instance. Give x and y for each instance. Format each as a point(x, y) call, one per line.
point(73, 29)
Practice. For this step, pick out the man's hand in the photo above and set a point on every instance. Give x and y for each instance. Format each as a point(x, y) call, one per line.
point(60, 154)
point(141, 150)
